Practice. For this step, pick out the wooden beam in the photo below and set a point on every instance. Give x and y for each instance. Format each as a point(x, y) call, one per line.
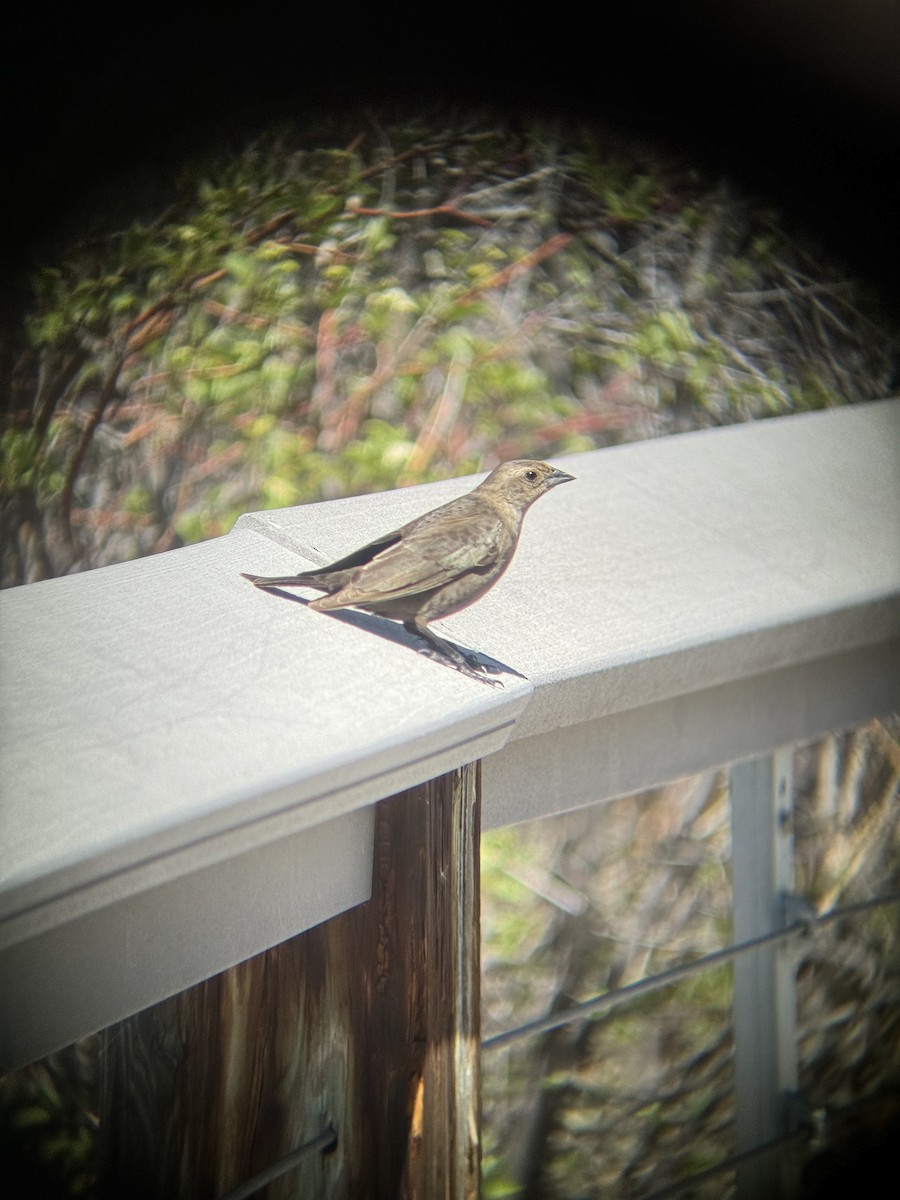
point(367, 1024)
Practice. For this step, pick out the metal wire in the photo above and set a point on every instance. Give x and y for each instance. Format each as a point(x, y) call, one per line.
point(809, 1130)
point(326, 1140)
point(652, 983)
point(847, 910)
point(733, 1160)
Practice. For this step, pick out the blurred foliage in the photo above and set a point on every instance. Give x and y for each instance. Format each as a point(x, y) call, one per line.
point(48, 1126)
point(847, 843)
point(299, 321)
point(577, 905)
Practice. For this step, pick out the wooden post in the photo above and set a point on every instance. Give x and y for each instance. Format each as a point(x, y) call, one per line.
point(367, 1024)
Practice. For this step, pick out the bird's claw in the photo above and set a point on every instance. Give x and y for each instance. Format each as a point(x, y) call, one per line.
point(476, 670)
point(466, 664)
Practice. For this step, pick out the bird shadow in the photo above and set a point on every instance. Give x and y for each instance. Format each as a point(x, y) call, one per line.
point(385, 628)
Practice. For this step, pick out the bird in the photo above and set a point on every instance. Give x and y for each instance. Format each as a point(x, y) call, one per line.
point(437, 564)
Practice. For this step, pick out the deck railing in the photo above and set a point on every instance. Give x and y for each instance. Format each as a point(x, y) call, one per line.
point(195, 773)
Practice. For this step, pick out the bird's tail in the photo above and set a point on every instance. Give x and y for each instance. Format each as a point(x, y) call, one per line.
point(264, 581)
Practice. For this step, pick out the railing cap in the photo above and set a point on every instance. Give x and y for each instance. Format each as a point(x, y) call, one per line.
point(164, 702)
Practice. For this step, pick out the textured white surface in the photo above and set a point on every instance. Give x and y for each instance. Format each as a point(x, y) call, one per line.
point(638, 748)
point(164, 714)
point(166, 727)
point(696, 560)
point(93, 969)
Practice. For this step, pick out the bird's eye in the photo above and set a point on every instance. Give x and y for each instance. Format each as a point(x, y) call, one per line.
point(531, 475)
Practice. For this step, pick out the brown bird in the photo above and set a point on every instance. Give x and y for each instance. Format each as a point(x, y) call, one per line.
point(438, 563)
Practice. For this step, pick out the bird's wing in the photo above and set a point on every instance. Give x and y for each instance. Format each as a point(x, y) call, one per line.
point(430, 554)
point(364, 554)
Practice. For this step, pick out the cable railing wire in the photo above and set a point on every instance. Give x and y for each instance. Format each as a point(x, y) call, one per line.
point(811, 1130)
point(327, 1140)
point(652, 983)
point(728, 1164)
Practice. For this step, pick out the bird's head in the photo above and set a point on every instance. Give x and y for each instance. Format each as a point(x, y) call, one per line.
point(522, 480)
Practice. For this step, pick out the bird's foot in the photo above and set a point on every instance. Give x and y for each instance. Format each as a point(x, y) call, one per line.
point(466, 664)
point(473, 668)
point(451, 655)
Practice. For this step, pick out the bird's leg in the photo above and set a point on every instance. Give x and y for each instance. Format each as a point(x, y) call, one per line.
point(459, 658)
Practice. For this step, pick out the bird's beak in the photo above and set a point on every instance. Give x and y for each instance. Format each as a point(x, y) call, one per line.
point(557, 476)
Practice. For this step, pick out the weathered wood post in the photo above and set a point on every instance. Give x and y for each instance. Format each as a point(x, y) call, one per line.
point(367, 1025)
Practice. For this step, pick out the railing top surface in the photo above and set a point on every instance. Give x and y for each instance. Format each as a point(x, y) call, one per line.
point(161, 715)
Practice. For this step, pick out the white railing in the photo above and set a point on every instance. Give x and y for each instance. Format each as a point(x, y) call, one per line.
point(189, 765)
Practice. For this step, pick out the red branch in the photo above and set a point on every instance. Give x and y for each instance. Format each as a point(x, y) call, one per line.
point(548, 248)
point(443, 210)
